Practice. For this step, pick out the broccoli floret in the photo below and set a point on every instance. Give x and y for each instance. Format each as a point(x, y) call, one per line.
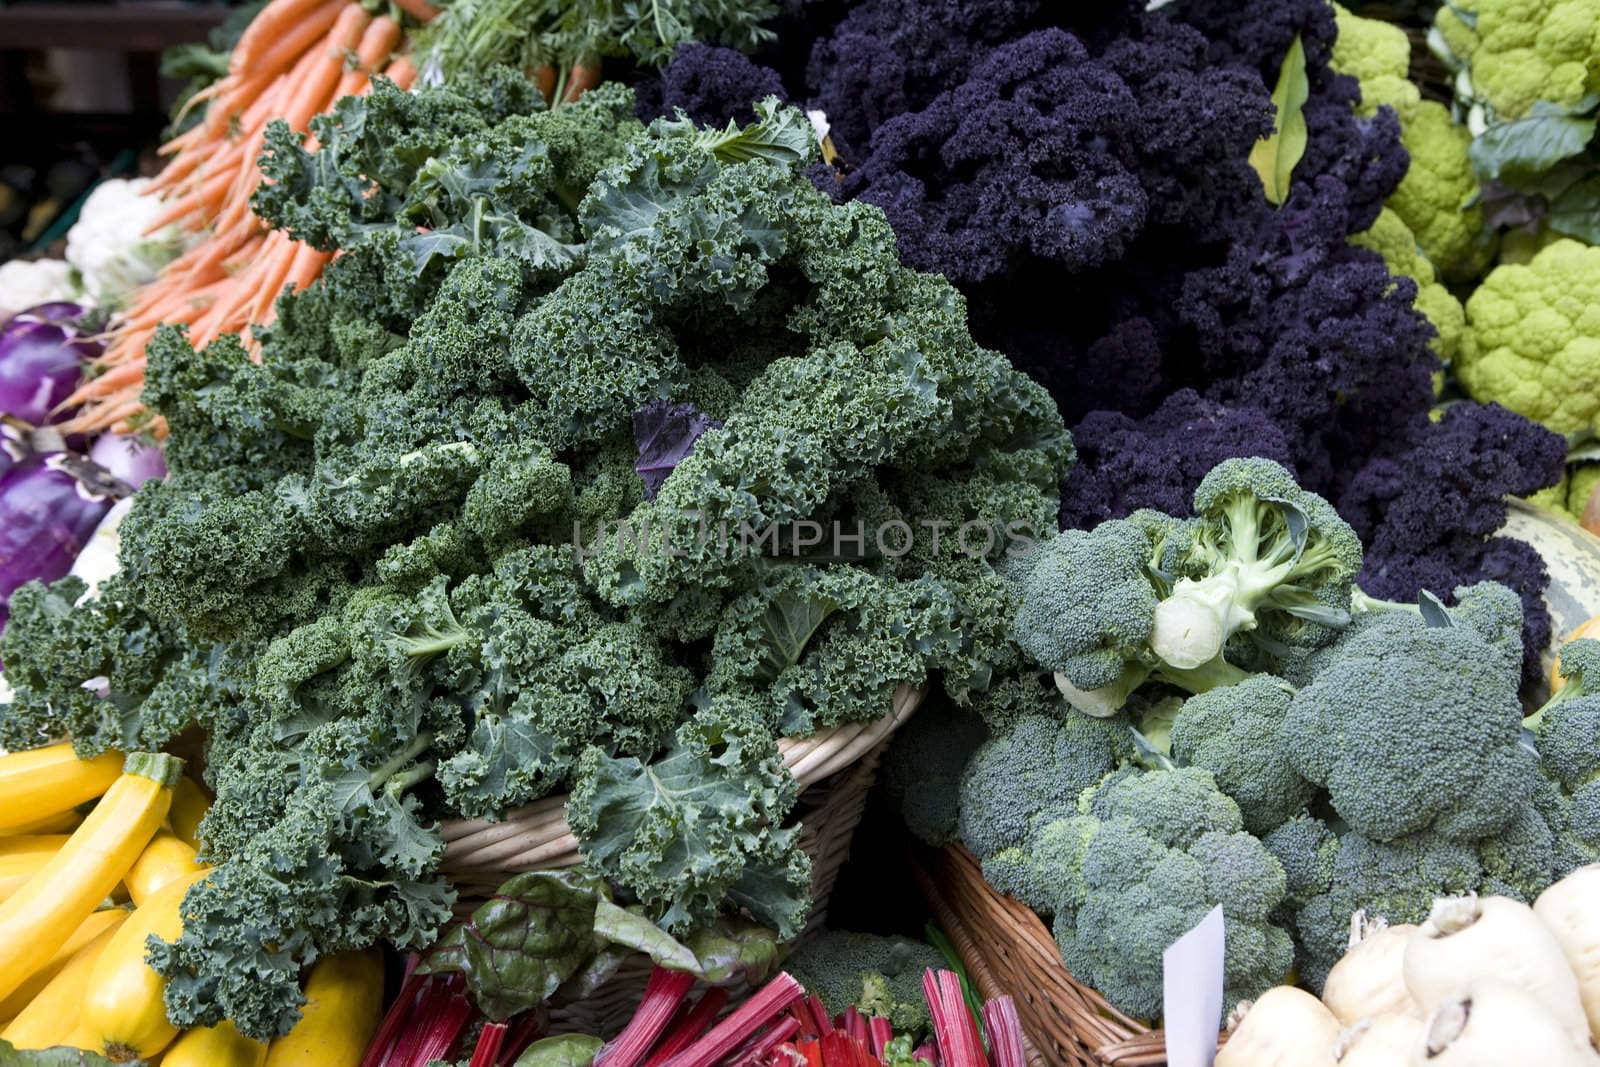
point(1411, 728)
point(1308, 850)
point(1087, 603)
point(1042, 871)
point(922, 770)
point(1163, 848)
point(1261, 554)
point(1234, 732)
point(1035, 772)
point(880, 976)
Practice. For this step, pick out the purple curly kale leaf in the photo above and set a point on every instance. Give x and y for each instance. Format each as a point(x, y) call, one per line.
point(665, 434)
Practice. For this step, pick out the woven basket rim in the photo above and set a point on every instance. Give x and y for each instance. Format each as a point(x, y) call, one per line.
point(537, 835)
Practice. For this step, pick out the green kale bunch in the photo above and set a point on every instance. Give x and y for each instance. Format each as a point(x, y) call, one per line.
point(408, 566)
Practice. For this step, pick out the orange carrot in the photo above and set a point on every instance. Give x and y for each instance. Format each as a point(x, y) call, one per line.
point(401, 72)
point(544, 77)
point(420, 10)
point(312, 96)
point(270, 23)
point(283, 53)
point(270, 281)
point(584, 76)
point(377, 43)
point(207, 199)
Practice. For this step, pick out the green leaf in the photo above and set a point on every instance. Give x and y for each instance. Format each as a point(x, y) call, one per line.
point(54, 1057)
point(1275, 156)
point(517, 949)
point(787, 626)
point(1576, 212)
point(780, 134)
point(564, 1050)
point(623, 927)
point(733, 948)
point(1521, 150)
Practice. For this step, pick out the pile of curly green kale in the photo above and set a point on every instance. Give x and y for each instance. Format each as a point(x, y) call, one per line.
point(386, 579)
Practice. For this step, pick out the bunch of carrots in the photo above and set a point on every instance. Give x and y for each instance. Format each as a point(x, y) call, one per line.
point(293, 62)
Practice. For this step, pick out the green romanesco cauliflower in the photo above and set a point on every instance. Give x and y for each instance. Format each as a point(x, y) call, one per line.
point(1392, 239)
point(1569, 497)
point(1533, 338)
point(1518, 52)
point(1432, 199)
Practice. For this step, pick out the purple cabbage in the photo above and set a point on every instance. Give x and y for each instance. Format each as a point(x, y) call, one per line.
point(130, 460)
point(665, 433)
point(42, 356)
point(50, 505)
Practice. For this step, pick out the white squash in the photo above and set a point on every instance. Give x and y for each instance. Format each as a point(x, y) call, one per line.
point(1284, 1027)
point(1369, 980)
point(1471, 937)
point(1491, 1023)
point(1382, 1041)
point(1570, 910)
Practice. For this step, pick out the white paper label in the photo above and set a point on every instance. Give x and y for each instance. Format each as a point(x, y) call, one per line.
point(1191, 972)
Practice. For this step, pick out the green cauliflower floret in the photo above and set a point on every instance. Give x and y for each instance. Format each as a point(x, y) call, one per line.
point(1235, 733)
point(1412, 728)
point(1164, 849)
point(1435, 202)
point(922, 769)
point(1519, 52)
point(1569, 498)
point(1533, 338)
point(1261, 554)
point(879, 976)
point(1034, 772)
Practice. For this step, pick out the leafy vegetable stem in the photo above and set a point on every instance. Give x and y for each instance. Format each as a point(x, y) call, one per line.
point(389, 770)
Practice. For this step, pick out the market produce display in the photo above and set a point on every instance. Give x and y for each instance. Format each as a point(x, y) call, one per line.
point(550, 422)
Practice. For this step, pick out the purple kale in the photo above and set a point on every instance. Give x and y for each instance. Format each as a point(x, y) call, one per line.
point(665, 434)
point(1156, 462)
point(715, 85)
point(1428, 515)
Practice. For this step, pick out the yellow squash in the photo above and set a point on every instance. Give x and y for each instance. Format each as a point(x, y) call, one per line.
point(48, 781)
point(189, 806)
point(91, 928)
point(39, 917)
point(63, 823)
point(24, 856)
point(215, 1046)
point(167, 858)
point(344, 997)
point(123, 1008)
point(52, 1016)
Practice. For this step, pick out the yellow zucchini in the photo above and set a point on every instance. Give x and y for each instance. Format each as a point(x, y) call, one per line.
point(24, 856)
point(215, 1046)
point(39, 917)
point(62, 823)
point(166, 858)
point(52, 1016)
point(48, 781)
point(344, 997)
point(123, 1008)
point(189, 806)
point(91, 928)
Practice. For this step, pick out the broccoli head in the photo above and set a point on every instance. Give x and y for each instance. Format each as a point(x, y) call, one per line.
point(1261, 553)
point(1412, 728)
point(1034, 772)
point(879, 976)
point(1234, 732)
point(1155, 852)
point(922, 770)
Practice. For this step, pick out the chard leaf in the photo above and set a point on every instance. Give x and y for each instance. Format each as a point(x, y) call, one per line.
point(1521, 150)
point(515, 950)
point(1275, 156)
point(632, 930)
point(733, 948)
point(563, 1050)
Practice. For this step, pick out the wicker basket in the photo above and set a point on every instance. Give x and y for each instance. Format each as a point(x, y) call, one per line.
point(1009, 950)
point(835, 770)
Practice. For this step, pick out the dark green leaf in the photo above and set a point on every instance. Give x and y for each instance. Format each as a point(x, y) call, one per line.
point(1576, 212)
point(54, 1057)
point(734, 948)
point(518, 948)
point(1433, 611)
point(780, 134)
point(790, 621)
point(564, 1050)
point(1275, 156)
point(632, 930)
point(1522, 149)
